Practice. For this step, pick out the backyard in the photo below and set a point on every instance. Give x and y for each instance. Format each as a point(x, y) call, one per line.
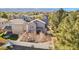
point(4, 37)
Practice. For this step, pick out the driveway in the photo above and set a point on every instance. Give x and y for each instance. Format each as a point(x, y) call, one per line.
point(17, 47)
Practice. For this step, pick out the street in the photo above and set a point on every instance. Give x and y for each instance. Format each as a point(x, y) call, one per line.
point(17, 47)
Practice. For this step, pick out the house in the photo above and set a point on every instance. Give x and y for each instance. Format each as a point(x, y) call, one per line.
point(40, 25)
point(11, 16)
point(18, 26)
point(27, 18)
point(30, 27)
point(36, 25)
point(3, 22)
point(21, 16)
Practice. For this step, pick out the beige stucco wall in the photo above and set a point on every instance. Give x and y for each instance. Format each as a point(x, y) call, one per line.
point(17, 28)
point(31, 27)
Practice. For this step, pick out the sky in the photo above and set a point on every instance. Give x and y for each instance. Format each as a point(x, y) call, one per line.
point(70, 9)
point(67, 5)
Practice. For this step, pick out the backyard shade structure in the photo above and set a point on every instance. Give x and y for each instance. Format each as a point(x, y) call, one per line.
point(18, 26)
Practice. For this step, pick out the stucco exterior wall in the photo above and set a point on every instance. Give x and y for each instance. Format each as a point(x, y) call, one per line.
point(17, 28)
point(31, 27)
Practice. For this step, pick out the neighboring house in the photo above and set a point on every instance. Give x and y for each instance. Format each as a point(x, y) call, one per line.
point(27, 18)
point(40, 25)
point(18, 26)
point(3, 22)
point(11, 16)
point(19, 16)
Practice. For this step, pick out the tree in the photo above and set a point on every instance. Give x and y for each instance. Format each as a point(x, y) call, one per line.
point(4, 15)
point(68, 33)
point(60, 13)
point(55, 18)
